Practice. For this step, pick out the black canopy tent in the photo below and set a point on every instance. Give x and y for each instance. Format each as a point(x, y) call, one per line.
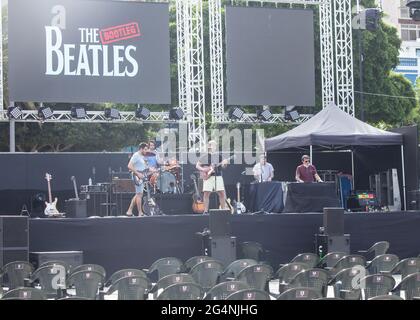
point(332, 127)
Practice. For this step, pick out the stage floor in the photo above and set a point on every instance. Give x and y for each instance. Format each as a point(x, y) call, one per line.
point(122, 242)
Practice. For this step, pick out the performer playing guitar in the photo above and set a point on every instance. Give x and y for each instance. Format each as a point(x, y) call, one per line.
point(137, 166)
point(208, 164)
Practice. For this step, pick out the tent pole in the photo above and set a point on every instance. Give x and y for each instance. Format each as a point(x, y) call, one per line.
point(310, 153)
point(403, 177)
point(352, 169)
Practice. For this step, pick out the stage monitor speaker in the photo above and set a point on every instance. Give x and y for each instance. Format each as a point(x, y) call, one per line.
point(76, 208)
point(14, 239)
point(174, 204)
point(72, 258)
point(334, 221)
point(219, 223)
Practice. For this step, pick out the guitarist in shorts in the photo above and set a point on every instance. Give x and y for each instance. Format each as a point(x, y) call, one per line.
point(211, 164)
point(137, 165)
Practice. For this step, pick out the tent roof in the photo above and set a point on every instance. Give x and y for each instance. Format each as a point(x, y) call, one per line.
point(333, 126)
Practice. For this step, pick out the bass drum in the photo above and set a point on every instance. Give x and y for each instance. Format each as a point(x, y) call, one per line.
point(166, 182)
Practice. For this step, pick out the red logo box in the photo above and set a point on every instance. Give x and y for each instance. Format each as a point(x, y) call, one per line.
point(119, 33)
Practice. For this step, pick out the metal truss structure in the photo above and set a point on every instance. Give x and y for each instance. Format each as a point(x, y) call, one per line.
point(343, 64)
point(190, 53)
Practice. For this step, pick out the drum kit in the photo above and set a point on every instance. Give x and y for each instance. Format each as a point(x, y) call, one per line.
point(167, 178)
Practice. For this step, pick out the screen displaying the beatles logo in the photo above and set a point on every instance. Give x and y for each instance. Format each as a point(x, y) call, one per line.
point(89, 51)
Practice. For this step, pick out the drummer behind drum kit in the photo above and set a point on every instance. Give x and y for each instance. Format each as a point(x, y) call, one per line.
point(167, 179)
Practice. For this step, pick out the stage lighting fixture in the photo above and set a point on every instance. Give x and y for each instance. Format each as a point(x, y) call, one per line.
point(264, 115)
point(414, 9)
point(142, 113)
point(78, 112)
point(176, 114)
point(45, 112)
point(14, 112)
point(291, 115)
point(236, 113)
point(112, 113)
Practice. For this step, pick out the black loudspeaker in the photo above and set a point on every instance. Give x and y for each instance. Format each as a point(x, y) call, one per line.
point(76, 208)
point(219, 223)
point(14, 239)
point(325, 244)
point(72, 258)
point(223, 249)
point(413, 198)
point(95, 201)
point(173, 204)
point(334, 221)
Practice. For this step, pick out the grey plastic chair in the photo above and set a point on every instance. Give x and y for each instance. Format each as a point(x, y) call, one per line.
point(124, 273)
point(316, 279)
point(249, 294)
point(406, 267)
point(24, 294)
point(343, 284)
point(222, 290)
point(130, 288)
point(377, 249)
point(300, 294)
point(50, 278)
point(16, 273)
point(287, 272)
point(233, 269)
point(308, 258)
point(411, 285)
point(164, 267)
point(73, 298)
point(256, 276)
point(86, 283)
point(182, 291)
point(346, 262)
point(387, 297)
point(207, 273)
point(169, 280)
point(383, 263)
point(377, 285)
point(330, 259)
point(90, 267)
point(191, 262)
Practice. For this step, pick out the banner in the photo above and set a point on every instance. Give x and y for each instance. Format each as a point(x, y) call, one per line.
point(89, 51)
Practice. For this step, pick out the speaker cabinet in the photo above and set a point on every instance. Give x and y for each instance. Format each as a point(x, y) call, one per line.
point(14, 239)
point(219, 223)
point(222, 249)
point(76, 208)
point(173, 204)
point(325, 244)
point(72, 258)
point(96, 203)
point(334, 221)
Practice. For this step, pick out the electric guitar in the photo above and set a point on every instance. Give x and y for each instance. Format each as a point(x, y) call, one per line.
point(137, 180)
point(73, 178)
point(238, 205)
point(150, 208)
point(50, 207)
point(208, 171)
point(198, 204)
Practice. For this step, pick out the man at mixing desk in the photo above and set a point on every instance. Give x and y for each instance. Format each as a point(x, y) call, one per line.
point(306, 172)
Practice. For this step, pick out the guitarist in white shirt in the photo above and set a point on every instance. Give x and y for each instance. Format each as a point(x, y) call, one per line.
point(212, 164)
point(137, 166)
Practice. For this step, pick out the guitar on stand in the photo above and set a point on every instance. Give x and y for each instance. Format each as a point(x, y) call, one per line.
point(198, 204)
point(73, 179)
point(239, 207)
point(51, 207)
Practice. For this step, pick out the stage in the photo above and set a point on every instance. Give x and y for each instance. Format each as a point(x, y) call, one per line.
point(122, 242)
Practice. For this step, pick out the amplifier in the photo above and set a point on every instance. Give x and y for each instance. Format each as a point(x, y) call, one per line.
point(219, 223)
point(72, 258)
point(334, 221)
point(100, 187)
point(123, 186)
point(14, 239)
point(174, 204)
point(76, 208)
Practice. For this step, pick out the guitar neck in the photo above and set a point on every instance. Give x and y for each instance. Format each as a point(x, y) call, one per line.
point(49, 191)
point(75, 189)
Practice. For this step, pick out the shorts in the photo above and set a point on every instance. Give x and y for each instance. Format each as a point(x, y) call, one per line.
point(139, 188)
point(214, 183)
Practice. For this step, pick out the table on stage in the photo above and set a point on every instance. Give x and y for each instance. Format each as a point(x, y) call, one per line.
point(265, 196)
point(310, 197)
